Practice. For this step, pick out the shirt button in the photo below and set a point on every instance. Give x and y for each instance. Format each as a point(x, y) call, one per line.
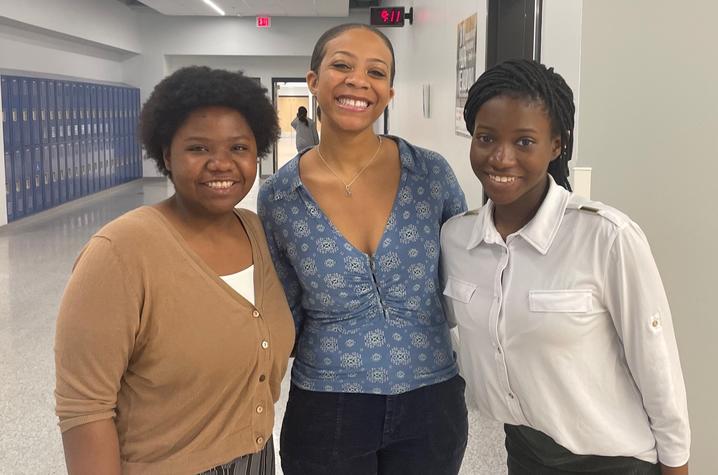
point(260, 440)
point(262, 378)
point(255, 313)
point(260, 409)
point(498, 349)
point(265, 344)
point(655, 323)
point(511, 395)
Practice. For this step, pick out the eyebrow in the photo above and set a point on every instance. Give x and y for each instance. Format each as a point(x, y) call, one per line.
point(522, 130)
point(379, 60)
point(200, 138)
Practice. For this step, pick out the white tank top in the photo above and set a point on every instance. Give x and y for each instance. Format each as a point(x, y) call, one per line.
point(242, 282)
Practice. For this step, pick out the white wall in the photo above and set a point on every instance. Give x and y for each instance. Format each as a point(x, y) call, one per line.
point(104, 22)
point(649, 118)
point(426, 53)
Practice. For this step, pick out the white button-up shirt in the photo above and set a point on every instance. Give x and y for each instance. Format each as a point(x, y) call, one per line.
point(565, 328)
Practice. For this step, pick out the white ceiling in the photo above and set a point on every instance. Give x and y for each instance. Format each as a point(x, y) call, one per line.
point(299, 8)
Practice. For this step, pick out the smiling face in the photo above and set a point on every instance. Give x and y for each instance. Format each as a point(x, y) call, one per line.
point(353, 84)
point(212, 160)
point(511, 149)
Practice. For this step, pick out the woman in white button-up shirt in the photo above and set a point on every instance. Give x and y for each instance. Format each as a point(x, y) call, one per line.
point(565, 329)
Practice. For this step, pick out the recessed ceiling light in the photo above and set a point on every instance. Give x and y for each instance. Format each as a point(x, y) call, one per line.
point(214, 7)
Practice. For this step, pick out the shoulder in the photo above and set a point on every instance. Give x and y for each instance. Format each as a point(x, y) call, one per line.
point(420, 154)
point(461, 223)
point(597, 211)
point(133, 227)
point(280, 184)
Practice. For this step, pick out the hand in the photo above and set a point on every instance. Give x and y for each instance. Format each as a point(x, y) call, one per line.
point(682, 470)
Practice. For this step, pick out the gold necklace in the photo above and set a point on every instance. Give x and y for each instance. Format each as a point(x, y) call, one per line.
point(348, 186)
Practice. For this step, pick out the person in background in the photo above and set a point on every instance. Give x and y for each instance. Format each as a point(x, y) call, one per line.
point(174, 333)
point(564, 327)
point(353, 226)
point(306, 130)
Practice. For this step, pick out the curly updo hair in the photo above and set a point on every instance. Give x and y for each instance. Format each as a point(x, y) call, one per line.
point(195, 87)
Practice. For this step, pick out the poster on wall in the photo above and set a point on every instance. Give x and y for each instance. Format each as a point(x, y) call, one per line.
point(465, 68)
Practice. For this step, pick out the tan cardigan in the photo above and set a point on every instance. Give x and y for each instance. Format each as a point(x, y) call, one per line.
point(150, 335)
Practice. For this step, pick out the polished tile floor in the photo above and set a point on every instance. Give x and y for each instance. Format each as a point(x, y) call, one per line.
point(36, 256)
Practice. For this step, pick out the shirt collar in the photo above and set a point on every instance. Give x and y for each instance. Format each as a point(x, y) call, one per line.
point(539, 232)
point(287, 180)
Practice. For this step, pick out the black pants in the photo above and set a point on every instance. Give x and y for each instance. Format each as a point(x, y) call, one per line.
point(421, 432)
point(531, 452)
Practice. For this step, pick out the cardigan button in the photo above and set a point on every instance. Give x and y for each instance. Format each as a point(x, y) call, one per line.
point(255, 313)
point(260, 440)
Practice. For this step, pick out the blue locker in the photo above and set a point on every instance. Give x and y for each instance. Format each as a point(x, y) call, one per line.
point(15, 117)
point(46, 178)
point(25, 133)
point(60, 111)
point(37, 178)
point(44, 119)
point(62, 170)
point(136, 135)
point(9, 186)
point(5, 96)
point(35, 112)
point(93, 111)
point(69, 120)
point(28, 180)
point(82, 155)
point(55, 175)
point(51, 109)
point(74, 155)
point(108, 162)
point(88, 111)
point(17, 177)
point(75, 113)
point(80, 90)
point(101, 165)
point(115, 165)
point(96, 166)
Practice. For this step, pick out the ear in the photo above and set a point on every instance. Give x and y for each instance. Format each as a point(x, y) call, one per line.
point(312, 79)
point(391, 93)
point(556, 147)
point(166, 159)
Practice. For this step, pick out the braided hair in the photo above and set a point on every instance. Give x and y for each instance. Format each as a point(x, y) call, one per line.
point(523, 78)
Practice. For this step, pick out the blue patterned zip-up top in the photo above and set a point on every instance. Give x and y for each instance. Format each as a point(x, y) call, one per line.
point(366, 324)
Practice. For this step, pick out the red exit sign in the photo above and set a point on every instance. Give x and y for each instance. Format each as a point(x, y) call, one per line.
point(264, 22)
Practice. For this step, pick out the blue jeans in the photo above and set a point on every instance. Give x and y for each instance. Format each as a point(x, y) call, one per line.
point(423, 431)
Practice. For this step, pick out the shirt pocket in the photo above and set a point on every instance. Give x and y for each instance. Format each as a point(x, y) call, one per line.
point(458, 289)
point(561, 301)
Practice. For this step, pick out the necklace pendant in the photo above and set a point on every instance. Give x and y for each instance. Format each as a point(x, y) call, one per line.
point(348, 191)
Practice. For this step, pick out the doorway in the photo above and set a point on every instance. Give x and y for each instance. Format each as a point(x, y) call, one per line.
point(288, 94)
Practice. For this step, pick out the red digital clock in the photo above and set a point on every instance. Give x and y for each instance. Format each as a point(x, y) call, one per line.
point(389, 16)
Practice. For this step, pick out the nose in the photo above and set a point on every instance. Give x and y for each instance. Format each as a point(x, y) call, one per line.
point(220, 161)
point(502, 155)
point(357, 78)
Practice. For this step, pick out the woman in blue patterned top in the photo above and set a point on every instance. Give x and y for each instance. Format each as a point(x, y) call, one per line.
point(353, 226)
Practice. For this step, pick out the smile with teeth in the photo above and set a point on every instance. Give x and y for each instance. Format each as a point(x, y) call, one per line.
point(502, 179)
point(353, 103)
point(220, 185)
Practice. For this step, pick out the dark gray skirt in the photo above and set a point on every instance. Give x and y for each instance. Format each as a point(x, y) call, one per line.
point(260, 463)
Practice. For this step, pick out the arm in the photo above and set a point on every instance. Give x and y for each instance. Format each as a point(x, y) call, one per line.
point(294, 123)
point(636, 300)
point(285, 271)
point(94, 340)
point(682, 470)
point(92, 448)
